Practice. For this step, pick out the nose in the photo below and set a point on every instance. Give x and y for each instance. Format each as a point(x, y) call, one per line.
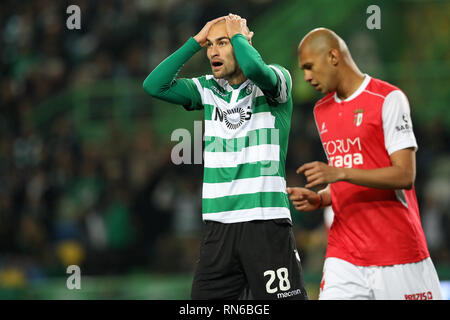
point(308, 76)
point(213, 51)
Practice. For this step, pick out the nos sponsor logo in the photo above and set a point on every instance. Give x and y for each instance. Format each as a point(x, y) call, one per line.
point(234, 117)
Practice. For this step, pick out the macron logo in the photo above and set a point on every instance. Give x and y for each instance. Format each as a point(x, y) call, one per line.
point(323, 129)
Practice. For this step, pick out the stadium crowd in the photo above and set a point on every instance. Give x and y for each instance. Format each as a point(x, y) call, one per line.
point(123, 205)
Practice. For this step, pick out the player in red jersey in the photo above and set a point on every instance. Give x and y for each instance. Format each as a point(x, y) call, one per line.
point(376, 245)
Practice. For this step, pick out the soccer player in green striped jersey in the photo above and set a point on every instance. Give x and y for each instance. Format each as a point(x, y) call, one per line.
point(248, 240)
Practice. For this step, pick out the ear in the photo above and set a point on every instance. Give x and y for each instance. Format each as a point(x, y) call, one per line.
point(249, 37)
point(333, 57)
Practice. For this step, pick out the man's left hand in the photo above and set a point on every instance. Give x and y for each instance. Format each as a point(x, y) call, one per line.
point(235, 24)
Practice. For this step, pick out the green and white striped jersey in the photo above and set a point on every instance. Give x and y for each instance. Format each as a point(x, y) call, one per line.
point(246, 139)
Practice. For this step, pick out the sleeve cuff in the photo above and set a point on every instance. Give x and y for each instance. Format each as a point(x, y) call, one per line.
point(238, 36)
point(402, 145)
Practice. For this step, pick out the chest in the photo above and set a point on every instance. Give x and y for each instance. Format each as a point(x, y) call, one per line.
point(349, 130)
point(237, 113)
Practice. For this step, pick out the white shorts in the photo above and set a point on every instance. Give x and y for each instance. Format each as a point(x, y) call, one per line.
point(412, 281)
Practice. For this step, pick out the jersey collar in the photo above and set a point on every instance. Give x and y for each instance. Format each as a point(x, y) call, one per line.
point(238, 87)
point(357, 92)
point(227, 86)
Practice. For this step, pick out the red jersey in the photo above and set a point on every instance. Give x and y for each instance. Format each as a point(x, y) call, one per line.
point(370, 226)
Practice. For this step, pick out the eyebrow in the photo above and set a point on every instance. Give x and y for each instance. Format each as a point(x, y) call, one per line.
point(306, 65)
point(218, 39)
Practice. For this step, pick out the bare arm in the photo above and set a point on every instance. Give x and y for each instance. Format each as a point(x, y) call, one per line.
point(400, 175)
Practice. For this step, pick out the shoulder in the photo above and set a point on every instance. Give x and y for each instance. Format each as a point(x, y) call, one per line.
point(394, 104)
point(282, 72)
point(208, 81)
point(327, 100)
point(393, 96)
point(203, 80)
point(380, 88)
point(278, 67)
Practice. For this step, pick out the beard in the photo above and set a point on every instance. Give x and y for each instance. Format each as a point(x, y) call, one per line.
point(223, 73)
point(227, 73)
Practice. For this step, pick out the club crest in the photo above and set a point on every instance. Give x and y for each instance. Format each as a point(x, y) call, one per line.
point(358, 118)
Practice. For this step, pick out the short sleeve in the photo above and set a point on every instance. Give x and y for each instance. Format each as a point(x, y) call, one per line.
point(397, 124)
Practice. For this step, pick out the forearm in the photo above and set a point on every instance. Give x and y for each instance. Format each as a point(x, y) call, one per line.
point(252, 65)
point(325, 197)
point(161, 82)
point(394, 177)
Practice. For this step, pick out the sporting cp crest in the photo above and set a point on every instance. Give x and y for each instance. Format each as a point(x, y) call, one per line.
point(357, 120)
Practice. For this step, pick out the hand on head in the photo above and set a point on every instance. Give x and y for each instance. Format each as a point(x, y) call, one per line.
point(203, 34)
point(234, 24)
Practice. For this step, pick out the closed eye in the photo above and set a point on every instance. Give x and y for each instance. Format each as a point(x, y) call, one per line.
point(306, 66)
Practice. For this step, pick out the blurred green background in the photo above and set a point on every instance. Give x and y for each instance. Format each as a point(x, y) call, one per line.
point(85, 171)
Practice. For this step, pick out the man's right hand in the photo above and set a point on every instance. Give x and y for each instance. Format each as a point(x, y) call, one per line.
point(304, 199)
point(203, 34)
